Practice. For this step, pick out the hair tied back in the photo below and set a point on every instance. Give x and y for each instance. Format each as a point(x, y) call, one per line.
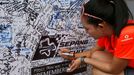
point(111, 1)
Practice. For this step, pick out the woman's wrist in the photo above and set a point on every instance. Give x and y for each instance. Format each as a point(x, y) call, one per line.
point(82, 59)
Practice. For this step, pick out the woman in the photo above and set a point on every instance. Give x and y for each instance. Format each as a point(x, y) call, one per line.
point(108, 21)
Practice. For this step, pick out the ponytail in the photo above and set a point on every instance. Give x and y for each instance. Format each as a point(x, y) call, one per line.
point(122, 15)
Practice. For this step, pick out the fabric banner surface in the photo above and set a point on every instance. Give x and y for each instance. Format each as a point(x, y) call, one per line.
point(33, 31)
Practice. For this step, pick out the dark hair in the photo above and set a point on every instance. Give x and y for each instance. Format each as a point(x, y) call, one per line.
point(114, 12)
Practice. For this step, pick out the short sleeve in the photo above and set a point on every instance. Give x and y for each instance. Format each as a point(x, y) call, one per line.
point(125, 46)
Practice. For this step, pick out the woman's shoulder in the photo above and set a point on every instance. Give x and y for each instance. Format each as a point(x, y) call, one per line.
point(129, 28)
point(130, 22)
point(127, 33)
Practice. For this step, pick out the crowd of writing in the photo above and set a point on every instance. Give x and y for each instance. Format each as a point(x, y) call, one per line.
point(29, 28)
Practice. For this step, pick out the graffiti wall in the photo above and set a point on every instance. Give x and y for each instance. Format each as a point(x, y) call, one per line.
point(33, 31)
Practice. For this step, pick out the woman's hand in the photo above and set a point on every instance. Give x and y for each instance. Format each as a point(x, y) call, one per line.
point(65, 50)
point(74, 65)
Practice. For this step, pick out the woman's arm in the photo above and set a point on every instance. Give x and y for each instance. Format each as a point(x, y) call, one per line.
point(86, 53)
point(89, 52)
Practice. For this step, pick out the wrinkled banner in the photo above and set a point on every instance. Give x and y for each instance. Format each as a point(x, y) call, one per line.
point(33, 31)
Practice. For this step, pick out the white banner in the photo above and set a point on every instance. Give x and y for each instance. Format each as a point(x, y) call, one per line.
point(32, 32)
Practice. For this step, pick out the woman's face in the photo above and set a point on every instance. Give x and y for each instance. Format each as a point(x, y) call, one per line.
point(94, 31)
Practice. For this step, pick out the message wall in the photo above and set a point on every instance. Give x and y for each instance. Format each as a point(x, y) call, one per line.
point(33, 31)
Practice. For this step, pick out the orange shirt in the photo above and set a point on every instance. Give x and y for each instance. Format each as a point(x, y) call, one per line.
point(122, 47)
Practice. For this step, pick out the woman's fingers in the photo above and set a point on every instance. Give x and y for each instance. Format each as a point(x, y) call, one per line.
point(74, 68)
point(64, 50)
point(71, 63)
point(65, 53)
point(74, 65)
point(71, 68)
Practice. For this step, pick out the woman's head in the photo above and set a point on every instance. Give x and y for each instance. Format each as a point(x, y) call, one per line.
point(111, 13)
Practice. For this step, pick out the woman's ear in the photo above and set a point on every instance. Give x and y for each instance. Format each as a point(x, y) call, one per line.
point(101, 28)
point(101, 25)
